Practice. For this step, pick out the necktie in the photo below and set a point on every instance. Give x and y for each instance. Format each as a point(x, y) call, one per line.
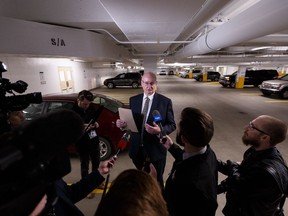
point(145, 108)
point(144, 114)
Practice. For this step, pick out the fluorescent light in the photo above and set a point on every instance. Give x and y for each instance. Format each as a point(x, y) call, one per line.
point(259, 48)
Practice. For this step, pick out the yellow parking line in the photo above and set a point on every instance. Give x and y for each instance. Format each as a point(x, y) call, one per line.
point(276, 101)
point(244, 94)
point(212, 83)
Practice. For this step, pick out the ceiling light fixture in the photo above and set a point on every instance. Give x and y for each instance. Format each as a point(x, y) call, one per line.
point(260, 48)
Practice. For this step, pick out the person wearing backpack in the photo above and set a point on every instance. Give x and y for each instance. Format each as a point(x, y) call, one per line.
point(257, 185)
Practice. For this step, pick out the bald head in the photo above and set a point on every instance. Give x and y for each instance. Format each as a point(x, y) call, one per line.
point(276, 128)
point(149, 83)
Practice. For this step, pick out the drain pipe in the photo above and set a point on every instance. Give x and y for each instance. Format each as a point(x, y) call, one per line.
point(265, 17)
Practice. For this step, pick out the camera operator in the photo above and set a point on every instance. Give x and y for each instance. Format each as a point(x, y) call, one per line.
point(33, 161)
point(257, 185)
point(13, 103)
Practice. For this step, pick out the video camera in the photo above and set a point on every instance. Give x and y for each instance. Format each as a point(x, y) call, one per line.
point(32, 157)
point(14, 102)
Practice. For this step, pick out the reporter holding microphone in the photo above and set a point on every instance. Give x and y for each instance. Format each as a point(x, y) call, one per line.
point(191, 188)
point(88, 146)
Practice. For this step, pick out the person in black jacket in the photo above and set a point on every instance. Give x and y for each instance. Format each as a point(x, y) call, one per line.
point(191, 188)
point(68, 195)
point(88, 146)
point(257, 185)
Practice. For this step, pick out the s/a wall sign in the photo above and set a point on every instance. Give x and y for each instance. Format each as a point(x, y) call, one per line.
point(58, 42)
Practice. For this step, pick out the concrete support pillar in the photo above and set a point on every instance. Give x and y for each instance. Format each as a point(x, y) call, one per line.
point(204, 72)
point(150, 64)
point(190, 72)
point(177, 71)
point(240, 78)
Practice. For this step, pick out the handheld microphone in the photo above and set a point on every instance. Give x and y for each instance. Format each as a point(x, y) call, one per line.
point(122, 144)
point(158, 119)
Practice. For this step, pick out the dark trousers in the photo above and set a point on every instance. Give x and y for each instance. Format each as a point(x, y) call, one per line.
point(89, 151)
point(159, 166)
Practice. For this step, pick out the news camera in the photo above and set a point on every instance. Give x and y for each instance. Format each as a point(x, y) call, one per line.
point(32, 157)
point(15, 102)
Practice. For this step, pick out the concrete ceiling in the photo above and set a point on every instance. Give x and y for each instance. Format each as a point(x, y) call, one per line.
point(188, 31)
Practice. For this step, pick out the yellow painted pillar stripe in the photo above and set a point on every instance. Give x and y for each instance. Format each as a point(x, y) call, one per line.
point(240, 83)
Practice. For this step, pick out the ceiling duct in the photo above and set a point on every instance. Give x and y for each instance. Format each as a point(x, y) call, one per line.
point(209, 9)
point(265, 17)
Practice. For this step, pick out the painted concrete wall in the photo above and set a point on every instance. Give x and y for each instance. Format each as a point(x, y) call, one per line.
point(30, 38)
point(84, 76)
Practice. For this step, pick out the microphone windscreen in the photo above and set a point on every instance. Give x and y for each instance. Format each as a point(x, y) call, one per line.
point(122, 144)
point(157, 116)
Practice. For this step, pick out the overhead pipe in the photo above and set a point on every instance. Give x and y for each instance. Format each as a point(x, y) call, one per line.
point(234, 60)
point(138, 42)
point(208, 10)
point(264, 18)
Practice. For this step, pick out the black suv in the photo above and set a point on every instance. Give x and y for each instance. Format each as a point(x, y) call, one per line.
point(124, 79)
point(252, 77)
point(211, 75)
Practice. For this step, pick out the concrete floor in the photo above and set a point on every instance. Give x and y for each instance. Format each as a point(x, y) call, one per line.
point(231, 110)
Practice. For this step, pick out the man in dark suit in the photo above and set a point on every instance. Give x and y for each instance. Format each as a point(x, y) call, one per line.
point(145, 145)
point(191, 188)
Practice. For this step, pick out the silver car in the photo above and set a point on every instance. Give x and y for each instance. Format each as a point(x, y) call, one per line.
point(278, 87)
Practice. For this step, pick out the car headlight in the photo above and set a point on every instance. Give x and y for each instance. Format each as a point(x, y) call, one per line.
point(275, 86)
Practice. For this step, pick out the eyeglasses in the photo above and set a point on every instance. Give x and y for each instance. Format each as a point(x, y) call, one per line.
point(250, 125)
point(148, 83)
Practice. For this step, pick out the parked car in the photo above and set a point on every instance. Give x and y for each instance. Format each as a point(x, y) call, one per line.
point(132, 79)
point(162, 72)
point(108, 133)
point(195, 73)
point(184, 74)
point(276, 86)
point(170, 72)
point(211, 75)
point(252, 77)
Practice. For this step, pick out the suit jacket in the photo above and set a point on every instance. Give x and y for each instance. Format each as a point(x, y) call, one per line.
point(152, 146)
point(191, 188)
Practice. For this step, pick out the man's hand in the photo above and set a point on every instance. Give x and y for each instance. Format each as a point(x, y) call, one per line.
point(155, 129)
point(168, 143)
point(121, 123)
point(106, 166)
point(153, 171)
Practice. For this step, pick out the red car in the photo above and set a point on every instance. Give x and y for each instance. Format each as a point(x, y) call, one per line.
point(108, 133)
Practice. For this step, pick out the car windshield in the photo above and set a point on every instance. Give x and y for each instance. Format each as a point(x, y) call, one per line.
point(35, 110)
point(284, 77)
point(108, 103)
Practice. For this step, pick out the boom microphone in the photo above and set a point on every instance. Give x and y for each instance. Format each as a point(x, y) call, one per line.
point(158, 119)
